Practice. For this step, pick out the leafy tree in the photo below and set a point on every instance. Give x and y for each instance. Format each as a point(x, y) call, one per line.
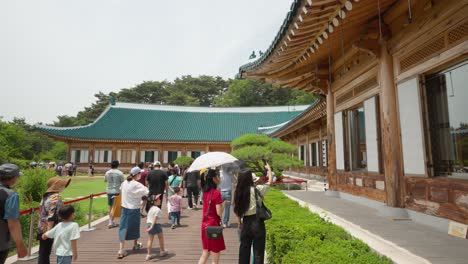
point(183, 161)
point(254, 148)
point(20, 143)
point(259, 93)
point(193, 91)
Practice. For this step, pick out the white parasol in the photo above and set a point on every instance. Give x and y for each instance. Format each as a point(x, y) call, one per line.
point(211, 159)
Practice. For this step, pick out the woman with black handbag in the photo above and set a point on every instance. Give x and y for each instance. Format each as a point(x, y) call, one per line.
point(211, 231)
point(251, 214)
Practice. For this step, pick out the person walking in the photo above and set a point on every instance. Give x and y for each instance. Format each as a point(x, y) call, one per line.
point(10, 226)
point(157, 181)
point(142, 180)
point(192, 184)
point(212, 211)
point(176, 207)
point(174, 181)
point(65, 236)
point(252, 229)
point(51, 203)
point(129, 229)
point(153, 227)
point(227, 181)
point(114, 178)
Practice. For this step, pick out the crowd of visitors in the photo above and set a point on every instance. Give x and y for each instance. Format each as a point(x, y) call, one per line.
point(138, 195)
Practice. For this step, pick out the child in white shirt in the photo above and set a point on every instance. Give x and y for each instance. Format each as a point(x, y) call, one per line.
point(65, 235)
point(153, 227)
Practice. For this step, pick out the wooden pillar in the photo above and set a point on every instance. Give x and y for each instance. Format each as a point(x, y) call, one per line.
point(91, 153)
point(68, 151)
point(394, 182)
point(207, 148)
point(331, 176)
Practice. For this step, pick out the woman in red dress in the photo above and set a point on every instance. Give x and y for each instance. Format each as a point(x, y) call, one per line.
point(209, 182)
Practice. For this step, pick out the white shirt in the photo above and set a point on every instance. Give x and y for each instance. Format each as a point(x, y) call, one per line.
point(262, 189)
point(154, 211)
point(132, 191)
point(62, 234)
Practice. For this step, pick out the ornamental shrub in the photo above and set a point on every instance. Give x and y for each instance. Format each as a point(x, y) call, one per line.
point(33, 184)
point(295, 235)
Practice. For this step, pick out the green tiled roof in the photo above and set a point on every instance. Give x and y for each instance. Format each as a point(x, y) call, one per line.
point(270, 130)
point(125, 121)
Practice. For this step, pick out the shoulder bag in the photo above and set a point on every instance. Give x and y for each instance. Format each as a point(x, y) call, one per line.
point(213, 232)
point(263, 213)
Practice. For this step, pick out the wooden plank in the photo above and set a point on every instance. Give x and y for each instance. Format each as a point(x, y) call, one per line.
point(183, 243)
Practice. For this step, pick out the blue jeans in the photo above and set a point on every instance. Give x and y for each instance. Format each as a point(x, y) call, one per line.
point(64, 259)
point(175, 216)
point(226, 196)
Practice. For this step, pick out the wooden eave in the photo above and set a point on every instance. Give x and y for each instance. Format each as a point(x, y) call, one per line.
point(73, 139)
point(305, 119)
point(307, 40)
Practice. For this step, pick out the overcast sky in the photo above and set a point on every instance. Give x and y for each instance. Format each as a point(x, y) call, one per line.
point(55, 55)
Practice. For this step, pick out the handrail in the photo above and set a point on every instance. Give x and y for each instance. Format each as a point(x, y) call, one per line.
point(32, 210)
point(28, 211)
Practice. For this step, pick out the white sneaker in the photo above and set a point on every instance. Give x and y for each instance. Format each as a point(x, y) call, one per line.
point(224, 226)
point(163, 253)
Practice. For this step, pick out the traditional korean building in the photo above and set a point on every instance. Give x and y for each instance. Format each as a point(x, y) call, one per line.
point(132, 133)
point(392, 75)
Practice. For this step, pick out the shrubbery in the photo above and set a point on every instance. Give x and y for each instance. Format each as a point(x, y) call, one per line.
point(295, 235)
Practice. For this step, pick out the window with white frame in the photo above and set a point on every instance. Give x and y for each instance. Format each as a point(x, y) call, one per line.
point(102, 155)
point(172, 155)
point(324, 151)
point(302, 153)
point(194, 154)
point(126, 156)
point(79, 156)
point(314, 155)
point(446, 96)
point(355, 138)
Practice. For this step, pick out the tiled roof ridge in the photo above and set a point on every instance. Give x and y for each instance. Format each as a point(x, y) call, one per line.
point(279, 127)
point(205, 109)
point(274, 126)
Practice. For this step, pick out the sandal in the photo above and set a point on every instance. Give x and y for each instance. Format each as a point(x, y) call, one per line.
point(138, 246)
point(121, 255)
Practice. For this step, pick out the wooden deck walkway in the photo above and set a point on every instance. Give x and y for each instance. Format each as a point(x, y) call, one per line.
point(183, 243)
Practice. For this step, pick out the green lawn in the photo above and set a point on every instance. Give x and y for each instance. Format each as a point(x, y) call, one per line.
point(84, 186)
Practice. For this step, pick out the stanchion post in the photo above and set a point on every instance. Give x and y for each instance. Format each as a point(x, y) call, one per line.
point(90, 214)
point(30, 239)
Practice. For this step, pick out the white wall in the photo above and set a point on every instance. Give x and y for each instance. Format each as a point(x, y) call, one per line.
point(339, 141)
point(409, 106)
point(372, 143)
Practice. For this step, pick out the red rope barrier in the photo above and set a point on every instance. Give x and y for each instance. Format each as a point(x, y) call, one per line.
point(28, 211)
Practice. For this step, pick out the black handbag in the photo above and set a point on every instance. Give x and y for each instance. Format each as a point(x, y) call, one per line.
point(263, 213)
point(213, 232)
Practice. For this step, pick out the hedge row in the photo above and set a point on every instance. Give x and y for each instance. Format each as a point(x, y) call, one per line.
point(295, 235)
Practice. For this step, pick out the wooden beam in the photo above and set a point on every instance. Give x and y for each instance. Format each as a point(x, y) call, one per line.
point(369, 46)
point(393, 167)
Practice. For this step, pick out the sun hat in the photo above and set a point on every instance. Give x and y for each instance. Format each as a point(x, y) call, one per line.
point(157, 163)
point(57, 184)
point(255, 178)
point(135, 170)
point(9, 170)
